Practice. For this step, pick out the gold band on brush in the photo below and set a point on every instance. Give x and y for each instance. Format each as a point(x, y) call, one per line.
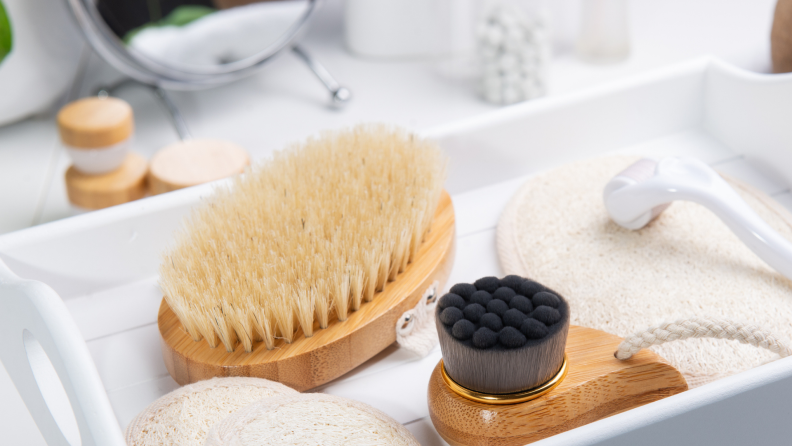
point(506, 398)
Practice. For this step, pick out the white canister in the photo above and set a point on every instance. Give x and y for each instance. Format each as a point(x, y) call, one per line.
point(96, 133)
point(514, 48)
point(403, 29)
point(604, 31)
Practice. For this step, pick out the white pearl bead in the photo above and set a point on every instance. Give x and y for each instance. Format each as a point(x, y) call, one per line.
point(507, 62)
point(494, 36)
point(493, 96)
point(511, 95)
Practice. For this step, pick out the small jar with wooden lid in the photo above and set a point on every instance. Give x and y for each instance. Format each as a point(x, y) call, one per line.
point(195, 161)
point(97, 133)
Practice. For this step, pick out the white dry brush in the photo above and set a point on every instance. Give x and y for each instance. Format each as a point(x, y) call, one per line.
point(514, 50)
point(306, 236)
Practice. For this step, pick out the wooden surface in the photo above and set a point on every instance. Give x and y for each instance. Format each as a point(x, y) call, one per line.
point(95, 122)
point(331, 352)
point(598, 385)
point(193, 162)
point(125, 184)
point(781, 37)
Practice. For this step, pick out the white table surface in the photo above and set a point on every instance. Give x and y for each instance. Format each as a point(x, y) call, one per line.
point(285, 103)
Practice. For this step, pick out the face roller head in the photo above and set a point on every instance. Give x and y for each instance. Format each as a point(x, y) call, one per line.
point(642, 191)
point(638, 172)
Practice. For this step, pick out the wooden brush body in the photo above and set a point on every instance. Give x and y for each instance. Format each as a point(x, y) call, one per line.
point(597, 386)
point(303, 237)
point(300, 268)
point(308, 362)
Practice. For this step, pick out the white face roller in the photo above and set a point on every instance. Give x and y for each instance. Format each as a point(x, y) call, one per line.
point(642, 191)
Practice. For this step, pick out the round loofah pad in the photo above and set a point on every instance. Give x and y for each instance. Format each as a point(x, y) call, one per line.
point(309, 419)
point(184, 416)
point(686, 263)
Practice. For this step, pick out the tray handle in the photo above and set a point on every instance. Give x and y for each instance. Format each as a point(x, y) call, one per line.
point(48, 361)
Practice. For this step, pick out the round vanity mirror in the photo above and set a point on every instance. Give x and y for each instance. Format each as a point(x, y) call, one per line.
point(191, 44)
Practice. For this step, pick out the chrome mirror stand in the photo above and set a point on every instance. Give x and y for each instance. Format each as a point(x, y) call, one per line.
point(339, 94)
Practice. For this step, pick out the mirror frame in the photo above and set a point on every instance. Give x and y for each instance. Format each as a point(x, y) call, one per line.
point(147, 70)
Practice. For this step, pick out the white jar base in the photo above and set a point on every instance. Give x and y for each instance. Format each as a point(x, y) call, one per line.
point(99, 160)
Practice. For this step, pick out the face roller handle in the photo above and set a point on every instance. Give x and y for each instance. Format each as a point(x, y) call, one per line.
point(641, 192)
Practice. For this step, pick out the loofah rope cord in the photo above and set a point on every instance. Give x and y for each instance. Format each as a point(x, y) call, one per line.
point(415, 329)
point(699, 327)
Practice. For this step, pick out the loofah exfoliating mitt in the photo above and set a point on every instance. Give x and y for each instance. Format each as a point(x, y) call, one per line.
point(185, 416)
point(684, 264)
point(309, 419)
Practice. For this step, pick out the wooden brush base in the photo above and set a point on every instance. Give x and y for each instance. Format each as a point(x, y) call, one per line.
point(125, 184)
point(597, 386)
point(330, 352)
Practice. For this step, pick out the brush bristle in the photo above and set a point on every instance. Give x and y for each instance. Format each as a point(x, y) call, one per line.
point(306, 236)
point(519, 349)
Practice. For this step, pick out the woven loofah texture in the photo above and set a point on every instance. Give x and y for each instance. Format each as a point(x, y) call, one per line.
point(702, 328)
point(684, 264)
point(185, 416)
point(309, 419)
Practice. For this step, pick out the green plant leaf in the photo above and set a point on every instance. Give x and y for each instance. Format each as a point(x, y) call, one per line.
point(180, 16)
point(6, 38)
point(185, 14)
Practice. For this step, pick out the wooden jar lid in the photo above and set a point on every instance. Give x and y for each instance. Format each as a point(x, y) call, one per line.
point(125, 184)
point(193, 162)
point(95, 122)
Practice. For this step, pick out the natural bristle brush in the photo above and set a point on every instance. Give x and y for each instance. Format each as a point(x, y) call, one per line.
point(299, 270)
point(515, 371)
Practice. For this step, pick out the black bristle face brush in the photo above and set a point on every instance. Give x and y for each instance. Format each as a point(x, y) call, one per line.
point(502, 336)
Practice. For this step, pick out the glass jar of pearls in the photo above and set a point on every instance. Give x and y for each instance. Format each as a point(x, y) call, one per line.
point(514, 48)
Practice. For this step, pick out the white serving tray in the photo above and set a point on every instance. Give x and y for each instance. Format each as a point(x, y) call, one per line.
point(96, 316)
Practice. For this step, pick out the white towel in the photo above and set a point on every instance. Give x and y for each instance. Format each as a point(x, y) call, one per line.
point(224, 36)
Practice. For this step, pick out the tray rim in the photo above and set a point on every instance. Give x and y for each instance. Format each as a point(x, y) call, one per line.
point(739, 394)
